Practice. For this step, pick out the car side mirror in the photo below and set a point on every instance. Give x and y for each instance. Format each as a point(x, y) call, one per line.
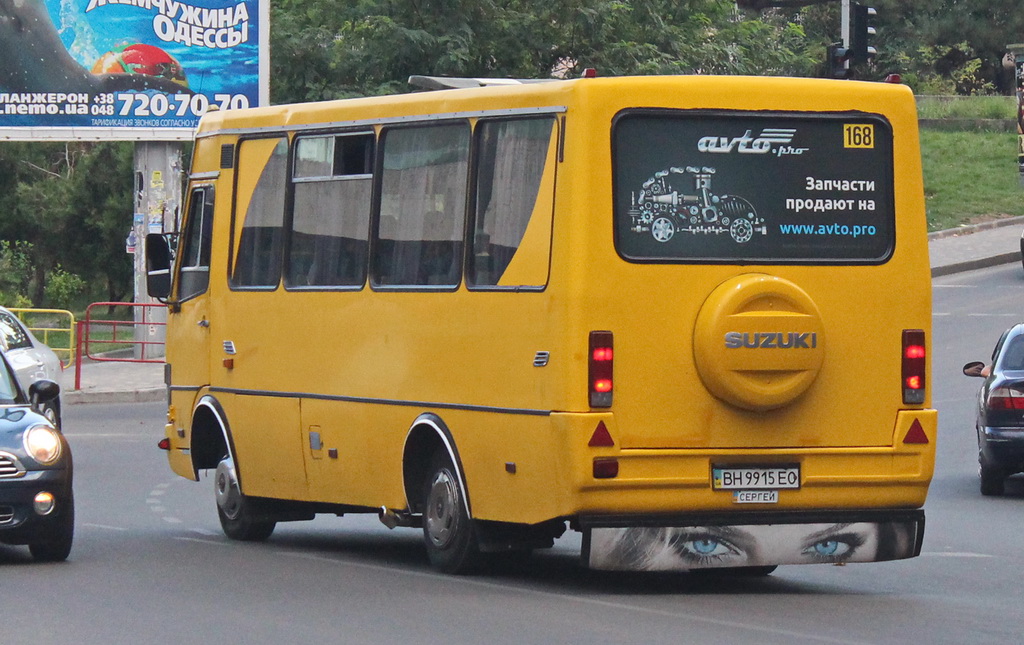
point(974, 368)
point(158, 266)
point(43, 391)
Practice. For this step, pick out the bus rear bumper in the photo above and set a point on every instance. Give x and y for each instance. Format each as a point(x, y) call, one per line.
point(729, 540)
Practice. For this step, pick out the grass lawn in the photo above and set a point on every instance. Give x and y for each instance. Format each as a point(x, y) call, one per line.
point(970, 177)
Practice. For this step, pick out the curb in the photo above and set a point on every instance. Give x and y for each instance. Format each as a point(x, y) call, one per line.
point(974, 228)
point(981, 263)
point(78, 397)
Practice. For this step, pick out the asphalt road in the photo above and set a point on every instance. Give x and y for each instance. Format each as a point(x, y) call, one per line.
point(150, 564)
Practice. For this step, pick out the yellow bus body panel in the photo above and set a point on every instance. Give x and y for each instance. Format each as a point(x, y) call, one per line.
point(350, 371)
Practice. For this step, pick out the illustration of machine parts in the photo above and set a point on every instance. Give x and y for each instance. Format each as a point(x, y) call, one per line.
point(663, 210)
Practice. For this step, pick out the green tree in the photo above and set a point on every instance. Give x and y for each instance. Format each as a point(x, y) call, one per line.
point(950, 46)
point(66, 203)
point(326, 50)
point(105, 199)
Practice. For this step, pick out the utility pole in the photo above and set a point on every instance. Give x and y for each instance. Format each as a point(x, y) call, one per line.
point(855, 29)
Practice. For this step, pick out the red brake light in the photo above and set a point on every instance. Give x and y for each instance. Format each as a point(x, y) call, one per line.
point(914, 366)
point(602, 354)
point(1004, 398)
point(599, 369)
point(915, 351)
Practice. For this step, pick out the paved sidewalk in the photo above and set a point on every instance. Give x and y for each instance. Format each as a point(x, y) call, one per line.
point(114, 382)
point(975, 247)
point(953, 251)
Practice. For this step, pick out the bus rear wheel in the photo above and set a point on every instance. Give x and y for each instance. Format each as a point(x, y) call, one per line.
point(237, 513)
point(448, 531)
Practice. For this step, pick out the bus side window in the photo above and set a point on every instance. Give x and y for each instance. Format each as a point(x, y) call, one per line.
point(331, 211)
point(513, 195)
point(262, 181)
point(418, 239)
point(194, 270)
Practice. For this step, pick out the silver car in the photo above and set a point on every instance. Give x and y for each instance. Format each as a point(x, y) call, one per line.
point(30, 359)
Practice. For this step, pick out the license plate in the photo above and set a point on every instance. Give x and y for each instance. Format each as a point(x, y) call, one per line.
point(755, 477)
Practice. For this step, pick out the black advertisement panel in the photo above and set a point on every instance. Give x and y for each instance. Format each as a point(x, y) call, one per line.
point(753, 188)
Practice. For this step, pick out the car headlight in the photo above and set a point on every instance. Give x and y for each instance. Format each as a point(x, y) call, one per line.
point(42, 443)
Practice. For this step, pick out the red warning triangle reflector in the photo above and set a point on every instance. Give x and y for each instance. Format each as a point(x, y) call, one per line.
point(601, 437)
point(915, 434)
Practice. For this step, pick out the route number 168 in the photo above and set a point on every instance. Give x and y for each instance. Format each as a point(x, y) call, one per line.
point(858, 135)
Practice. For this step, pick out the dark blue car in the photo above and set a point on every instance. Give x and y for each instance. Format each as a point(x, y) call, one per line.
point(1000, 423)
point(37, 505)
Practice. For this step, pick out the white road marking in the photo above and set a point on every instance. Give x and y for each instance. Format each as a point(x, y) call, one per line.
point(202, 541)
point(104, 527)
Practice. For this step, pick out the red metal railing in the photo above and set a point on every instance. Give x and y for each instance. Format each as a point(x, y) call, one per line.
point(102, 339)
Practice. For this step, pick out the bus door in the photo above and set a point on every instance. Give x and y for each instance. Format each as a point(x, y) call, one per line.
point(190, 332)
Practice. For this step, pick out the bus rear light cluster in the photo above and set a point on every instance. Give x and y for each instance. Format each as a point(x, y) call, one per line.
point(914, 366)
point(606, 467)
point(599, 369)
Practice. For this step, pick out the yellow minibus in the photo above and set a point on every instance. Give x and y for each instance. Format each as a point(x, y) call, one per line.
point(688, 317)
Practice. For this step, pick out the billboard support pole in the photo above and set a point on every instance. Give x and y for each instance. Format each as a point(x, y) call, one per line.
point(158, 182)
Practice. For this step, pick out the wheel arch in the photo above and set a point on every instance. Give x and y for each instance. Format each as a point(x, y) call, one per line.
point(428, 434)
point(211, 436)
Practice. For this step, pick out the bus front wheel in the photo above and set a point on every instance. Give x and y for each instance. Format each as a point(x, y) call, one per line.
point(237, 513)
point(448, 530)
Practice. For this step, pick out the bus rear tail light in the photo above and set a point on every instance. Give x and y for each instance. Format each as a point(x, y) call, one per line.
point(606, 468)
point(599, 368)
point(914, 364)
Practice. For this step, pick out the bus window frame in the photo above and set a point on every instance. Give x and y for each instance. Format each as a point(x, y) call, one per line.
point(378, 191)
point(289, 226)
point(557, 139)
point(235, 233)
point(205, 240)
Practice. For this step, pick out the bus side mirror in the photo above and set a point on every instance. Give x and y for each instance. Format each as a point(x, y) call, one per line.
point(158, 266)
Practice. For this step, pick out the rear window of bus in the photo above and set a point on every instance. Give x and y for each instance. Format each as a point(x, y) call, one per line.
point(753, 188)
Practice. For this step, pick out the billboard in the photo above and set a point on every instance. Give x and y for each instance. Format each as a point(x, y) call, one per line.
point(127, 69)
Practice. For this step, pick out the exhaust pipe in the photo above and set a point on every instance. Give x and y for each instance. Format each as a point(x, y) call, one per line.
point(387, 517)
point(393, 519)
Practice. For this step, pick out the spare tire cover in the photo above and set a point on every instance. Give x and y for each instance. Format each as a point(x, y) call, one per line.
point(758, 342)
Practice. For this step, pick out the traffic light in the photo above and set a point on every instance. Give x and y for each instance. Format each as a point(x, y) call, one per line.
point(838, 61)
point(861, 30)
